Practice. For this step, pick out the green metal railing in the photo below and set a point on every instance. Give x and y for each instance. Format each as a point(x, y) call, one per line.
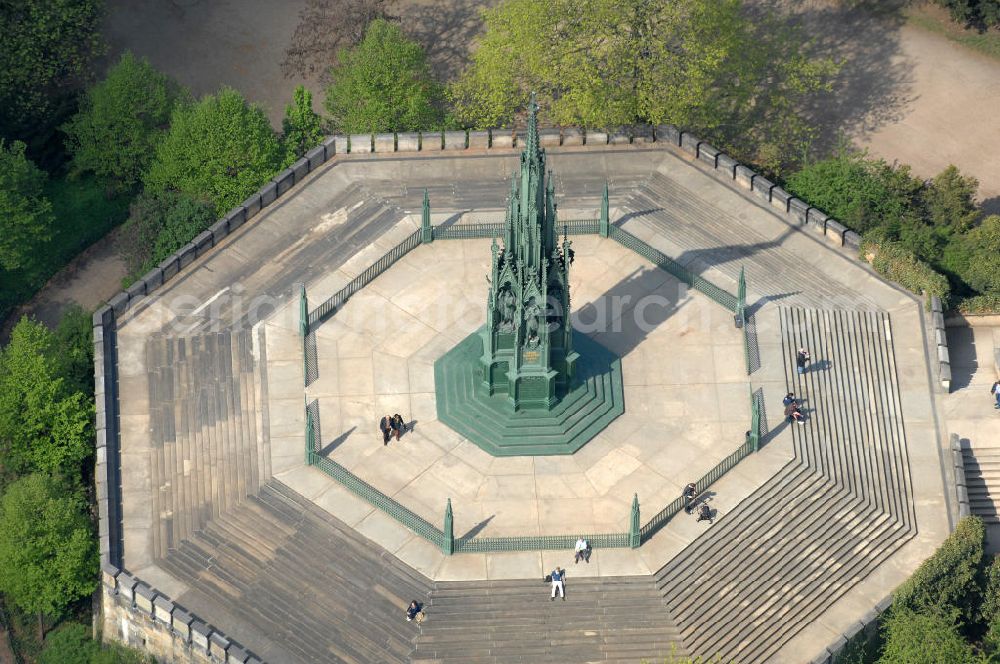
point(664, 262)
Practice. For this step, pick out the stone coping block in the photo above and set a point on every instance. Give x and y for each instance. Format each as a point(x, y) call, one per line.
point(109, 574)
point(104, 316)
point(181, 623)
point(409, 142)
point(385, 142)
point(619, 136)
point(236, 655)
point(942, 353)
point(236, 218)
point(642, 133)
point(219, 229)
point(186, 255)
point(316, 157)
point(816, 220)
point(144, 596)
point(102, 433)
point(479, 140)
point(126, 586)
point(708, 154)
point(501, 138)
point(360, 143)
point(163, 609)
point(301, 169)
point(430, 141)
point(203, 241)
point(253, 205)
point(761, 186)
point(119, 301)
point(548, 138)
point(454, 140)
point(217, 645)
point(597, 137)
point(726, 164)
point(138, 289)
point(689, 143)
point(283, 181)
point(153, 279)
point(200, 633)
point(744, 176)
point(333, 145)
point(835, 231)
point(572, 136)
point(780, 199)
point(936, 304)
point(937, 319)
point(667, 134)
point(799, 210)
point(268, 194)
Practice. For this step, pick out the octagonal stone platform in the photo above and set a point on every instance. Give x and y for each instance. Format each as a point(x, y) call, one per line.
point(686, 393)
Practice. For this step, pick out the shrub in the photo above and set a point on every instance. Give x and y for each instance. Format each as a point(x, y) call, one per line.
point(913, 638)
point(158, 225)
point(980, 304)
point(25, 213)
point(120, 122)
point(946, 584)
point(302, 127)
point(220, 150)
point(69, 644)
point(897, 264)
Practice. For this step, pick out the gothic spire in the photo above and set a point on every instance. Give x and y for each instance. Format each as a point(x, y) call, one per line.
point(532, 127)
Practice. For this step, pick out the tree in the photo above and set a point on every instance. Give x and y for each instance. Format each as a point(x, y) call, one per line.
point(947, 583)
point(700, 64)
point(218, 150)
point(383, 84)
point(950, 201)
point(981, 266)
point(120, 122)
point(25, 213)
point(43, 424)
point(74, 355)
point(302, 127)
point(47, 50)
point(916, 638)
point(48, 556)
point(325, 26)
point(158, 225)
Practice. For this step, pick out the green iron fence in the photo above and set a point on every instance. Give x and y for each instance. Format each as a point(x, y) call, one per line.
point(664, 262)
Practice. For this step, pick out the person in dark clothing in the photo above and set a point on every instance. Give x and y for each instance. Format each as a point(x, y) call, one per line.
point(705, 513)
point(789, 400)
point(385, 426)
point(690, 492)
point(414, 610)
point(397, 424)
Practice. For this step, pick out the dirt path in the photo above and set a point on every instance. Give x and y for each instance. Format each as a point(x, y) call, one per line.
point(904, 93)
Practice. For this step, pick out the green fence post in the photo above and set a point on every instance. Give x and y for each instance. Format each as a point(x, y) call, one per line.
point(633, 528)
point(303, 311)
point(741, 300)
point(448, 541)
point(426, 232)
point(605, 215)
point(754, 423)
point(310, 435)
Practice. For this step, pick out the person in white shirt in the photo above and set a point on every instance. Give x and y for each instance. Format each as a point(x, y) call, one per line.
point(582, 551)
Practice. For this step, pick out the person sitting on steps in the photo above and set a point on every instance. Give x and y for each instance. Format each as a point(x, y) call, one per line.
point(705, 513)
point(794, 414)
point(415, 612)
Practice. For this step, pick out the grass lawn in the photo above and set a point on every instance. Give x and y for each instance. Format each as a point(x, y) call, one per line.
point(936, 19)
point(83, 215)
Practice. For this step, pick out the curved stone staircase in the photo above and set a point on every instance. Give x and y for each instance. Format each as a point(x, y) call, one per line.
point(823, 523)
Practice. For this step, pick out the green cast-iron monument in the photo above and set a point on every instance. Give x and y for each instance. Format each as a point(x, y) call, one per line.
point(527, 383)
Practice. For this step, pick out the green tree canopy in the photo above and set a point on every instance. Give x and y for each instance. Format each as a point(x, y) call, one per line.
point(950, 200)
point(69, 644)
point(302, 127)
point(980, 247)
point(120, 122)
point(923, 638)
point(383, 84)
point(219, 150)
point(700, 64)
point(25, 213)
point(158, 225)
point(48, 556)
point(46, 53)
point(947, 583)
point(43, 424)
